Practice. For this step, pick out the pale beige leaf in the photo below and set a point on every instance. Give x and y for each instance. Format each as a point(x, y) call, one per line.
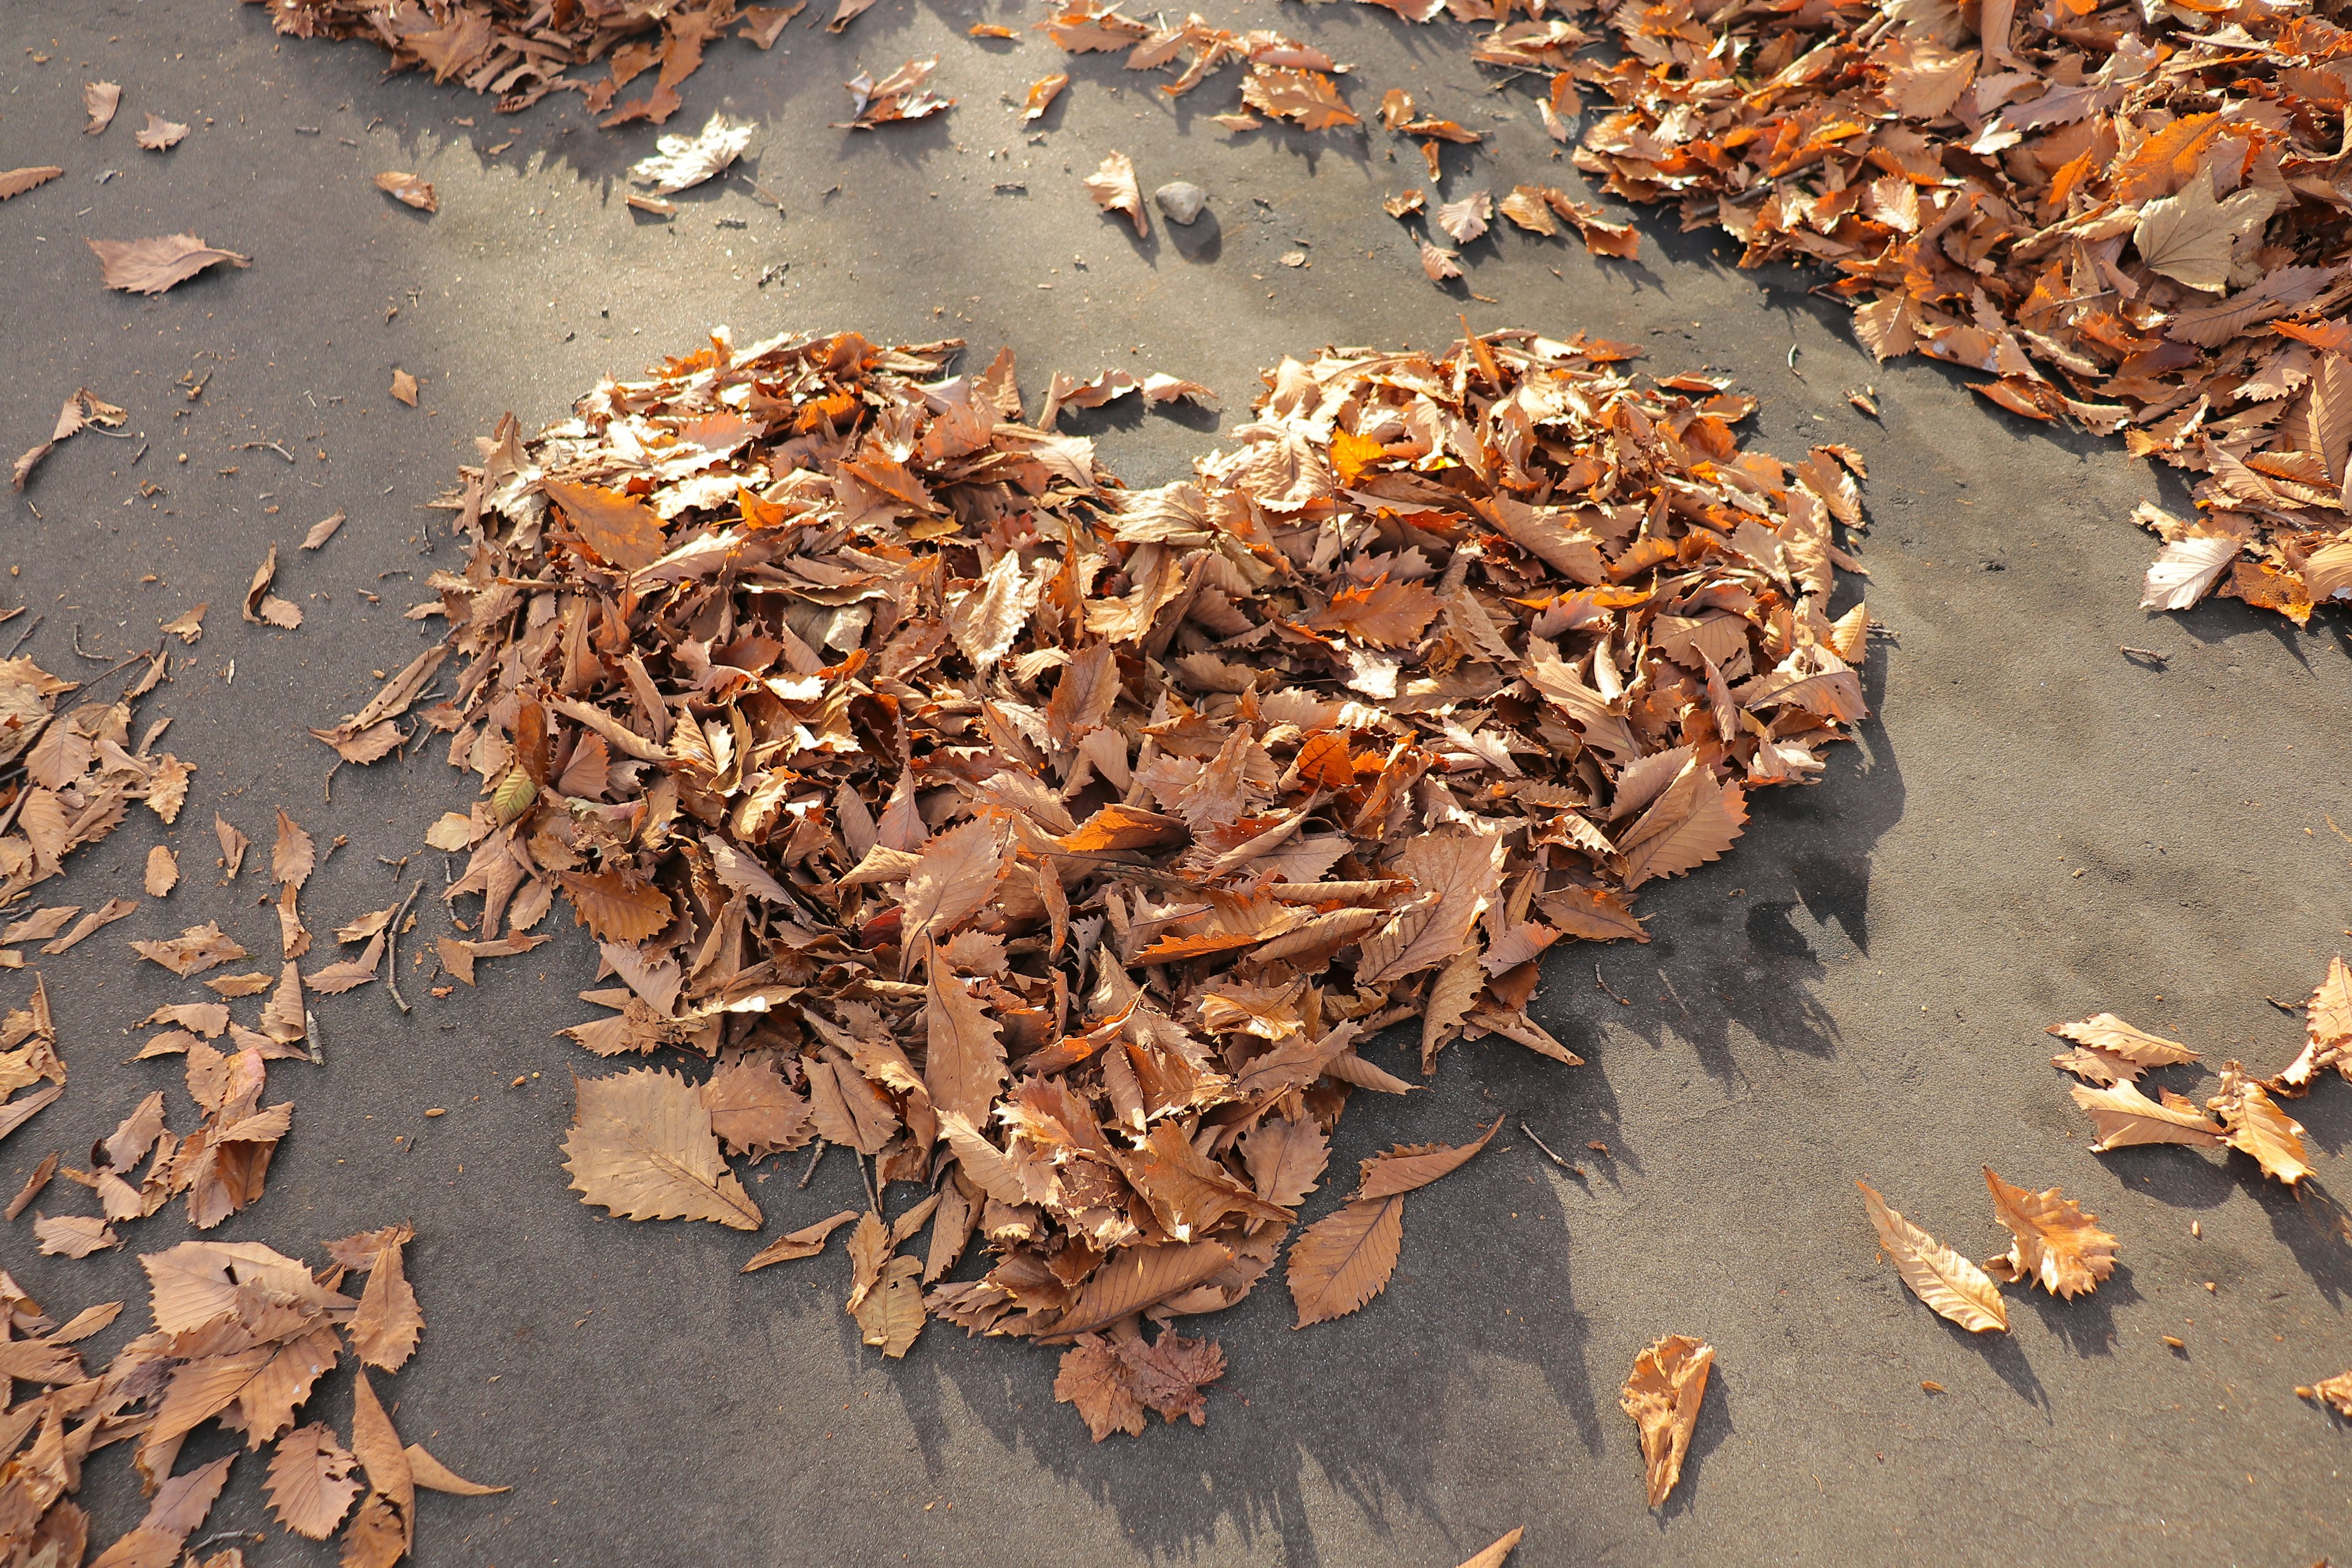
point(641, 1144)
point(1947, 1282)
point(434, 1476)
point(162, 871)
point(152, 265)
point(1114, 189)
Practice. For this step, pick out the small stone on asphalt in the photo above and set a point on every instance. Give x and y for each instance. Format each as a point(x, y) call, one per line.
point(1182, 200)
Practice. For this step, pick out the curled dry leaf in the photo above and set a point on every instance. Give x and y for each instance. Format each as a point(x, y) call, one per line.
point(901, 95)
point(188, 624)
point(2256, 1126)
point(805, 1242)
point(2333, 1392)
point(1947, 1282)
point(1465, 219)
point(84, 407)
point(1041, 94)
point(408, 189)
point(2125, 1117)
point(1662, 1395)
point(263, 608)
point(1113, 189)
point(100, 99)
point(152, 265)
point(2327, 1032)
point(2057, 1245)
point(1114, 1381)
point(681, 162)
point(1440, 265)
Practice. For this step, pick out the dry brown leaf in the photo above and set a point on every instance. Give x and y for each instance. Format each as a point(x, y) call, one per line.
point(408, 188)
point(1409, 1166)
point(1468, 218)
point(73, 1236)
point(1041, 94)
point(1440, 265)
point(805, 1242)
point(16, 182)
point(617, 527)
point(162, 871)
point(1113, 188)
point(2256, 1126)
point(386, 1328)
point(2125, 1117)
point(293, 855)
point(1496, 1554)
point(261, 607)
point(311, 1484)
point(1949, 1283)
point(194, 951)
point(2058, 1245)
point(640, 1145)
point(2335, 1392)
point(1344, 1259)
point(403, 387)
point(2106, 1032)
point(434, 1476)
point(1662, 1395)
point(152, 265)
point(160, 134)
point(100, 99)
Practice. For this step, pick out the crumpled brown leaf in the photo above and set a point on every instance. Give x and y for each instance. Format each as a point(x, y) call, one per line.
point(1662, 1395)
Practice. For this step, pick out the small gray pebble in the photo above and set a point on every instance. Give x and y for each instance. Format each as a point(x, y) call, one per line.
point(1182, 200)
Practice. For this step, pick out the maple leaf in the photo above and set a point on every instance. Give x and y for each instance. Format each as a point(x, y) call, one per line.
point(1113, 188)
point(1308, 96)
point(2057, 1245)
point(640, 1145)
point(2189, 237)
point(1662, 1395)
point(152, 265)
point(1949, 1283)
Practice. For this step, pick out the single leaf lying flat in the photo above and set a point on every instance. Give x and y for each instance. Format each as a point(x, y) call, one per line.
point(16, 182)
point(408, 188)
point(434, 1476)
point(1344, 1259)
point(2126, 1116)
point(1950, 1284)
point(1411, 1165)
point(160, 134)
point(152, 265)
point(2106, 1032)
point(1662, 1395)
point(2057, 1245)
point(640, 1145)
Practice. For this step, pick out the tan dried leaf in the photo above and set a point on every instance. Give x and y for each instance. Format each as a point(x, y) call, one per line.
point(1344, 1259)
point(1947, 1282)
point(640, 1145)
point(1113, 188)
point(152, 265)
point(1662, 1395)
point(2057, 1245)
point(162, 871)
point(1411, 1165)
point(160, 134)
point(404, 188)
point(2125, 1117)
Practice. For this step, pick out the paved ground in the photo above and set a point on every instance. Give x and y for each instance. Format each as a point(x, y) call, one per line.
point(2035, 828)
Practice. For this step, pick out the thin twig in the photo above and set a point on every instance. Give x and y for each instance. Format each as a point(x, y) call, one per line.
point(81, 651)
point(28, 631)
point(1603, 985)
point(1792, 363)
point(1576, 1171)
point(392, 946)
point(814, 1155)
point(265, 446)
point(2144, 653)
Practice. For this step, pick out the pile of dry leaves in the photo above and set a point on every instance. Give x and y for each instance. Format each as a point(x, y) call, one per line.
point(242, 1335)
point(1063, 848)
point(2135, 224)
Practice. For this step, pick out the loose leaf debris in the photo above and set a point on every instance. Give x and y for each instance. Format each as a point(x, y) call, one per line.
point(1662, 1395)
point(408, 188)
point(899, 96)
point(2130, 221)
point(242, 1335)
point(1061, 847)
point(29, 1055)
point(100, 99)
point(152, 265)
point(82, 770)
point(680, 163)
point(1113, 189)
point(16, 182)
point(84, 407)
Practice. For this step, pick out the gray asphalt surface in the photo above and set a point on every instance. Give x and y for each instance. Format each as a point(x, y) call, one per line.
point(2036, 827)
